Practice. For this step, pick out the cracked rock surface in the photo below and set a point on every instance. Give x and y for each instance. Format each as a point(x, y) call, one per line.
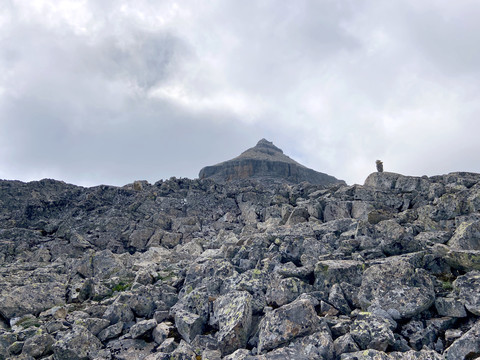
point(195, 269)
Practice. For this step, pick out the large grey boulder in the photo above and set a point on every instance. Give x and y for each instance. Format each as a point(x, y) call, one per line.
point(283, 291)
point(397, 285)
point(450, 307)
point(372, 332)
point(395, 239)
point(468, 288)
point(288, 322)
point(38, 345)
point(345, 344)
point(78, 344)
point(369, 354)
point(330, 272)
point(464, 260)
point(467, 345)
point(387, 181)
point(466, 236)
point(316, 346)
point(142, 328)
point(130, 349)
point(232, 313)
point(417, 355)
point(31, 299)
point(188, 324)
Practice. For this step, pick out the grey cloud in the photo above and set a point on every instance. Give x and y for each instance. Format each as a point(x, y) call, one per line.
point(448, 35)
point(336, 84)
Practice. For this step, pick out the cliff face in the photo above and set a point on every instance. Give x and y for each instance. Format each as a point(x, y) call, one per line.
point(266, 162)
point(188, 269)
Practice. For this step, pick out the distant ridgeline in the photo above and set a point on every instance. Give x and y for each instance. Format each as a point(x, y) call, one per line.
point(265, 162)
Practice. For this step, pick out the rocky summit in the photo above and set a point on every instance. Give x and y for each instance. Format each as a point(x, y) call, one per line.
point(265, 163)
point(196, 269)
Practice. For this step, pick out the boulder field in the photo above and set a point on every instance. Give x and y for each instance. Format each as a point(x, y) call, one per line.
point(196, 269)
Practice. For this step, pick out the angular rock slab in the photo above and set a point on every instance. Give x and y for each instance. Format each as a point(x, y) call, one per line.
point(31, 299)
point(397, 285)
point(38, 345)
point(188, 324)
point(465, 260)
point(416, 355)
point(282, 291)
point(78, 344)
point(372, 332)
point(233, 314)
point(369, 354)
point(329, 272)
point(468, 287)
point(468, 344)
point(286, 323)
point(466, 236)
point(450, 307)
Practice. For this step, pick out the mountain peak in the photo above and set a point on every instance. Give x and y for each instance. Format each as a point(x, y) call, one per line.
point(265, 162)
point(265, 144)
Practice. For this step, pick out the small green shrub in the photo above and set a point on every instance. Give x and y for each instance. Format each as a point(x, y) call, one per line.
point(121, 286)
point(447, 285)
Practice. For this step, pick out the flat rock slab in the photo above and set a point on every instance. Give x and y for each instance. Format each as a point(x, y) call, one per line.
point(233, 312)
point(466, 345)
point(468, 287)
point(31, 299)
point(466, 236)
point(286, 323)
point(397, 285)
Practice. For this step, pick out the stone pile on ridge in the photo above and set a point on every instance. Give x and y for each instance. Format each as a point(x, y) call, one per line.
point(265, 162)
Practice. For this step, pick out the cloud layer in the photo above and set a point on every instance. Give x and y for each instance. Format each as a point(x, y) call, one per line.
point(112, 91)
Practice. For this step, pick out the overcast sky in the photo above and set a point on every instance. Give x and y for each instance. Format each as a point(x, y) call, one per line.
point(108, 92)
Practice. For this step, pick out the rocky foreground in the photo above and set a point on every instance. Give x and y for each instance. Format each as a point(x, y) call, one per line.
point(191, 269)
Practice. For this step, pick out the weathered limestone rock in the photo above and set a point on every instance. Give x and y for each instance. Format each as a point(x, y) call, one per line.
point(372, 332)
point(284, 324)
point(111, 331)
point(395, 239)
point(79, 344)
point(94, 325)
point(369, 354)
point(130, 349)
point(117, 312)
point(397, 285)
point(386, 181)
point(466, 236)
point(450, 307)
point(283, 291)
point(416, 355)
point(316, 346)
point(142, 328)
point(31, 299)
point(329, 272)
point(467, 345)
point(183, 352)
point(188, 325)
point(465, 260)
point(345, 344)
point(38, 345)
point(233, 314)
point(468, 288)
point(161, 332)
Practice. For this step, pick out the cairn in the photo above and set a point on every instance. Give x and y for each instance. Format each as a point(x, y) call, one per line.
point(379, 164)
